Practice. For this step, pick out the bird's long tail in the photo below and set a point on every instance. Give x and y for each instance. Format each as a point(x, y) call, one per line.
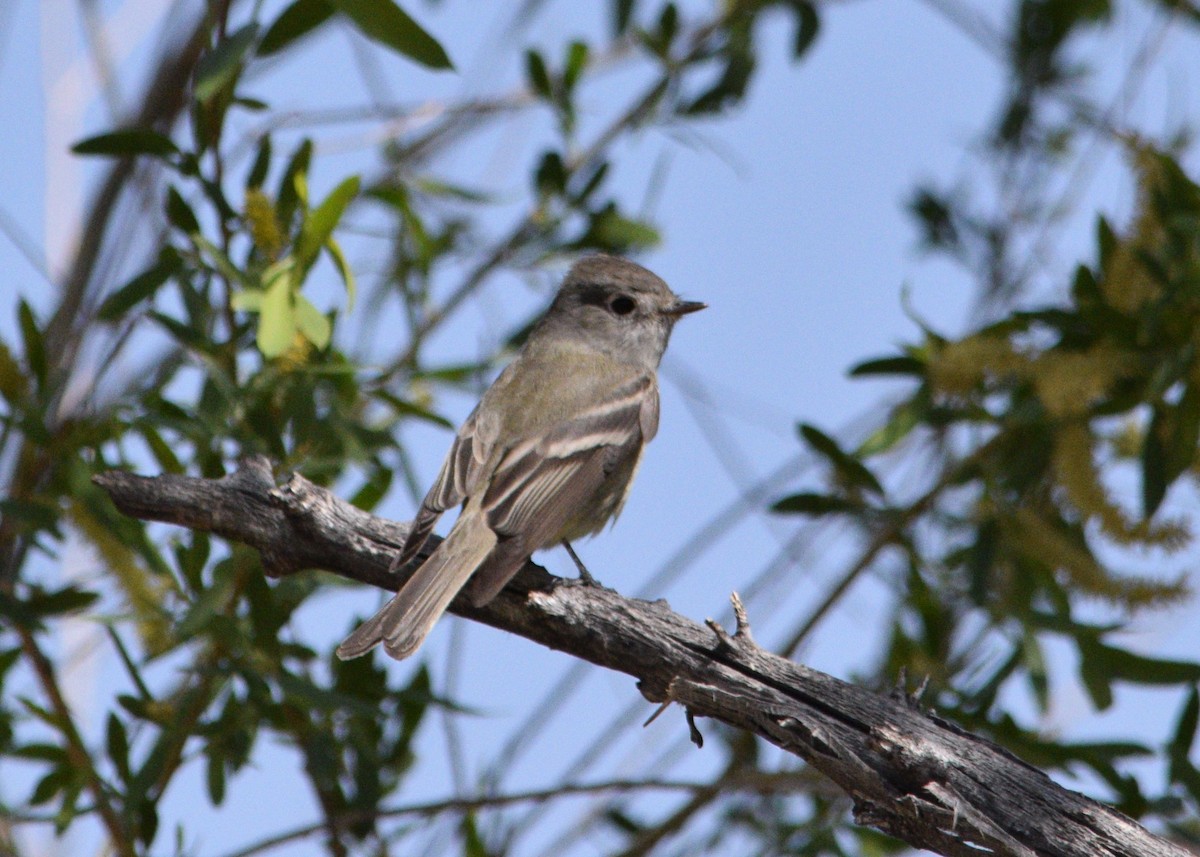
point(404, 621)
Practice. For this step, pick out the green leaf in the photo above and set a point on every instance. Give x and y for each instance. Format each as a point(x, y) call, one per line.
point(1185, 728)
point(51, 753)
point(537, 75)
point(807, 27)
point(577, 59)
point(8, 659)
point(731, 85)
point(180, 214)
point(141, 287)
point(139, 708)
point(224, 265)
point(51, 719)
point(219, 67)
point(404, 408)
point(13, 382)
point(262, 163)
point(209, 605)
point(550, 178)
point(1127, 666)
point(320, 223)
point(127, 142)
point(148, 817)
point(1154, 466)
point(815, 505)
point(251, 300)
point(277, 319)
point(385, 22)
point(1182, 771)
point(69, 599)
point(297, 20)
point(1180, 767)
point(312, 323)
point(436, 187)
point(130, 667)
point(455, 373)
point(1185, 433)
point(373, 490)
point(889, 366)
point(473, 844)
point(1096, 681)
point(116, 743)
point(255, 104)
point(622, 14)
point(610, 230)
point(1085, 291)
point(1101, 664)
point(851, 471)
point(661, 40)
point(247, 300)
point(321, 698)
point(904, 418)
point(31, 514)
point(164, 456)
point(287, 200)
point(1033, 659)
point(35, 345)
point(1106, 241)
point(415, 700)
point(347, 274)
point(1098, 753)
point(50, 785)
point(935, 215)
point(393, 196)
point(185, 334)
point(215, 777)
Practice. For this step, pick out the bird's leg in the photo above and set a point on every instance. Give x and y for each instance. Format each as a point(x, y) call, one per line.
point(585, 576)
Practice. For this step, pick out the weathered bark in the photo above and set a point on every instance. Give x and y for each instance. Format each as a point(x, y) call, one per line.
point(909, 772)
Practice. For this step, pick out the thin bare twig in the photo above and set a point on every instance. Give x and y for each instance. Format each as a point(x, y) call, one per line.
point(77, 751)
point(461, 804)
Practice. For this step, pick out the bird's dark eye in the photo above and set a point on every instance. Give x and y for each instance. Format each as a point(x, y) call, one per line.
point(622, 305)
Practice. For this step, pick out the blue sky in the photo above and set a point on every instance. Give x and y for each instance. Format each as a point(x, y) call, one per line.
point(786, 216)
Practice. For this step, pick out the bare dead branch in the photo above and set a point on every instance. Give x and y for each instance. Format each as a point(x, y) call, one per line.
point(909, 772)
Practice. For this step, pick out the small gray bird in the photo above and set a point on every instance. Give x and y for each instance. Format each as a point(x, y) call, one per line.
point(548, 454)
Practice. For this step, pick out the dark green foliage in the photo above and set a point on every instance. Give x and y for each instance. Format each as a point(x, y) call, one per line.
point(1011, 544)
point(1016, 535)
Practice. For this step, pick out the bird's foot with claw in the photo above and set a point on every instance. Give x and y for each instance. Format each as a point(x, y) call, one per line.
point(585, 577)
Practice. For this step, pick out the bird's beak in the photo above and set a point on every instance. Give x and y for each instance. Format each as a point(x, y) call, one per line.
point(684, 307)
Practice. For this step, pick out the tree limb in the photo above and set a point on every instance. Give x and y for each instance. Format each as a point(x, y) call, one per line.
point(910, 773)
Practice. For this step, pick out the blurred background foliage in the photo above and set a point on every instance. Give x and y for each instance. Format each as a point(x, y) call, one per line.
point(1045, 437)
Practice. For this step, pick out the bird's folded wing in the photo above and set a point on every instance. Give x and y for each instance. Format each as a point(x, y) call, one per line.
point(460, 473)
point(545, 486)
point(536, 480)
